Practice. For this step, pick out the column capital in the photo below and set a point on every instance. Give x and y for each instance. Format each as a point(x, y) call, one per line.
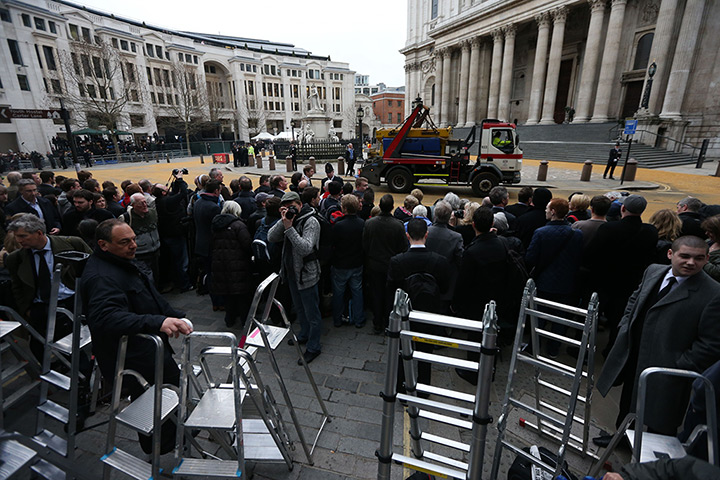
point(596, 5)
point(543, 19)
point(560, 14)
point(443, 52)
point(498, 34)
point(618, 3)
point(510, 30)
point(464, 45)
point(475, 42)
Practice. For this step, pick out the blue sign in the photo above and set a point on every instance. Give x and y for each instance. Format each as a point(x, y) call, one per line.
point(630, 127)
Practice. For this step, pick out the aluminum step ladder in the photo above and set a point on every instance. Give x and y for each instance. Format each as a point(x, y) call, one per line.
point(462, 410)
point(268, 337)
point(145, 414)
point(20, 455)
point(573, 380)
point(648, 447)
point(21, 367)
point(221, 412)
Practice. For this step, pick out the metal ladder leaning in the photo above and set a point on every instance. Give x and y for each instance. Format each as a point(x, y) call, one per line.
point(269, 337)
point(220, 412)
point(18, 452)
point(555, 422)
point(146, 414)
point(399, 332)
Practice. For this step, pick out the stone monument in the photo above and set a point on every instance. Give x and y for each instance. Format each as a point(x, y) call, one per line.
point(316, 121)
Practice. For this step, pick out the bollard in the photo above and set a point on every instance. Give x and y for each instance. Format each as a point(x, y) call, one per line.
point(341, 166)
point(630, 170)
point(586, 171)
point(288, 164)
point(717, 171)
point(167, 158)
point(258, 160)
point(542, 171)
point(271, 161)
point(311, 160)
point(202, 160)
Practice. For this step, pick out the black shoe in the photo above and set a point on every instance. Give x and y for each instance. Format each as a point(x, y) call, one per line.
point(301, 341)
point(467, 375)
point(612, 178)
point(309, 356)
point(604, 177)
point(603, 441)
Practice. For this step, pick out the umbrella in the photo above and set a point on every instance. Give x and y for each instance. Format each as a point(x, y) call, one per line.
point(263, 136)
point(284, 136)
point(89, 131)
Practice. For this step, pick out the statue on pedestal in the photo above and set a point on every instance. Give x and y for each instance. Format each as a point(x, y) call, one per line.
point(308, 134)
point(332, 134)
point(315, 99)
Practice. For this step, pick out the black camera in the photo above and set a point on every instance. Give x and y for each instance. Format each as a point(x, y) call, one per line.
point(177, 170)
point(459, 213)
point(291, 212)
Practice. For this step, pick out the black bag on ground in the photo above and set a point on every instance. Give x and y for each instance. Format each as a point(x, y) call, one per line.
point(521, 468)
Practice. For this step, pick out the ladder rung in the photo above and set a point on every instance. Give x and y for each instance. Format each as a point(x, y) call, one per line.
point(560, 411)
point(445, 321)
point(534, 411)
point(445, 419)
point(47, 470)
point(139, 414)
point(64, 345)
point(567, 368)
point(57, 379)
point(444, 392)
point(439, 341)
point(557, 336)
point(128, 464)
point(446, 460)
point(446, 442)
point(427, 467)
point(544, 365)
point(15, 456)
point(54, 442)
point(443, 360)
point(58, 412)
point(560, 390)
point(18, 394)
point(205, 467)
point(560, 306)
point(433, 405)
point(574, 441)
point(10, 372)
point(555, 319)
point(7, 327)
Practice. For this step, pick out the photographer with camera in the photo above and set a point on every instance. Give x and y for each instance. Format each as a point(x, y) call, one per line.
point(299, 231)
point(171, 205)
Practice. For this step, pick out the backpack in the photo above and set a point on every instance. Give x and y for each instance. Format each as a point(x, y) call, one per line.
point(264, 252)
point(423, 290)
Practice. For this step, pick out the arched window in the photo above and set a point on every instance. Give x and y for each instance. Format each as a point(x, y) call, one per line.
point(432, 95)
point(642, 54)
point(433, 9)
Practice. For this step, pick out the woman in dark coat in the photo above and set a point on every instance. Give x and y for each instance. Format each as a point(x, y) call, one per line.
point(231, 263)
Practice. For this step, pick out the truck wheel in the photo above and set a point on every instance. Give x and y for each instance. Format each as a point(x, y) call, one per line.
point(399, 180)
point(483, 182)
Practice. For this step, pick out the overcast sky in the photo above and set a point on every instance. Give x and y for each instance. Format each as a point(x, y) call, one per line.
point(367, 34)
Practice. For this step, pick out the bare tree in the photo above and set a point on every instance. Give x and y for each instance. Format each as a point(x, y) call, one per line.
point(98, 85)
point(251, 116)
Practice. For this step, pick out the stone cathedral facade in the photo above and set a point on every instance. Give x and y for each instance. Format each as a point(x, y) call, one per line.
point(547, 61)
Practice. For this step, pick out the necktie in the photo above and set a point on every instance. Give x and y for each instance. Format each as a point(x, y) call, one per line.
point(43, 280)
point(665, 290)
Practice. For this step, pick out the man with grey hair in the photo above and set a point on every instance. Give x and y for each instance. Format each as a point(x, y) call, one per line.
point(28, 202)
point(217, 174)
point(30, 271)
point(445, 242)
point(13, 178)
point(147, 186)
point(688, 210)
point(499, 198)
point(144, 222)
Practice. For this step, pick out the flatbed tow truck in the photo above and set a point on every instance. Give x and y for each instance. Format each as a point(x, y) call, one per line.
point(417, 153)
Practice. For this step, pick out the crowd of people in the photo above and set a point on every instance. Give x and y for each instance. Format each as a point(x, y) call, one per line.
point(342, 253)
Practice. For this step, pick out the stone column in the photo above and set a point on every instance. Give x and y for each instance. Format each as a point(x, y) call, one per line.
point(446, 82)
point(592, 52)
point(437, 111)
point(472, 99)
point(408, 87)
point(484, 83)
point(495, 73)
point(553, 75)
point(464, 79)
point(609, 61)
point(684, 56)
point(507, 74)
point(418, 81)
point(660, 54)
point(539, 68)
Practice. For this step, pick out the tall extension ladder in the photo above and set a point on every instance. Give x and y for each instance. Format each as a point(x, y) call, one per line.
point(550, 376)
point(399, 333)
point(23, 361)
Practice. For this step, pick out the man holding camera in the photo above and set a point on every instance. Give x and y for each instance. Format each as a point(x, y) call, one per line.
point(299, 231)
point(171, 206)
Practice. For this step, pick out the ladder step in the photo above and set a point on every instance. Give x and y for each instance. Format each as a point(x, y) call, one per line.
point(216, 410)
point(560, 306)
point(19, 394)
point(57, 379)
point(64, 345)
point(15, 457)
point(555, 319)
point(439, 341)
point(542, 362)
point(58, 412)
point(139, 414)
point(199, 467)
point(444, 392)
point(556, 336)
point(128, 464)
point(446, 442)
point(11, 372)
point(445, 419)
point(258, 444)
point(7, 327)
point(446, 460)
point(427, 467)
point(445, 321)
point(47, 470)
point(443, 360)
point(54, 442)
point(534, 411)
point(557, 389)
point(561, 412)
point(434, 405)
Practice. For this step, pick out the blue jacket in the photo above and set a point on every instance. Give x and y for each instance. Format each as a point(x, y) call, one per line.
point(556, 252)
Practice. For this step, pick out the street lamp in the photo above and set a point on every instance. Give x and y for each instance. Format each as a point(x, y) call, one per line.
point(292, 127)
point(648, 86)
point(360, 115)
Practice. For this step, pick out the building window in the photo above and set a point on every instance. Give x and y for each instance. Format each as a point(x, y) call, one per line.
point(399, 117)
point(134, 96)
point(158, 79)
point(149, 75)
point(15, 52)
point(39, 23)
point(124, 45)
point(389, 103)
point(86, 34)
point(642, 54)
point(389, 117)
point(26, 20)
point(160, 98)
point(187, 58)
point(150, 51)
point(91, 90)
point(152, 97)
point(5, 15)
point(399, 103)
point(137, 120)
point(158, 51)
point(114, 42)
point(133, 47)
point(74, 32)
point(23, 81)
point(49, 57)
point(433, 9)
point(53, 27)
point(195, 59)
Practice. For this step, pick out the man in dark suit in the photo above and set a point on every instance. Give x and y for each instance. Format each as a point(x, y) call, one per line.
point(523, 204)
point(27, 201)
point(617, 257)
point(83, 208)
point(615, 154)
point(672, 320)
point(47, 187)
point(688, 210)
point(534, 218)
point(499, 198)
point(31, 268)
point(445, 242)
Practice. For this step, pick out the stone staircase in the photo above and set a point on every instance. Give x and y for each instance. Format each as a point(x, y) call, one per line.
point(580, 142)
